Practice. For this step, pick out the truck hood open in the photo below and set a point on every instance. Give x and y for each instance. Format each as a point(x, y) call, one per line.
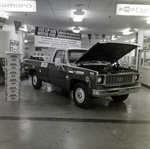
point(110, 52)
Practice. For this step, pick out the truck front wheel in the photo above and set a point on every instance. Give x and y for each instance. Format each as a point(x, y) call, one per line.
point(80, 95)
point(36, 82)
point(120, 98)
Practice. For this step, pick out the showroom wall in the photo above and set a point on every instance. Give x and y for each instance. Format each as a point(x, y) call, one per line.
point(7, 33)
point(30, 49)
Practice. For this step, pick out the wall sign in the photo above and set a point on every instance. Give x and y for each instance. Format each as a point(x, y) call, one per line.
point(133, 10)
point(47, 37)
point(14, 46)
point(20, 6)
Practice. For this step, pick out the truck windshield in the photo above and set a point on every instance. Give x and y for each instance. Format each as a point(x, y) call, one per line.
point(74, 55)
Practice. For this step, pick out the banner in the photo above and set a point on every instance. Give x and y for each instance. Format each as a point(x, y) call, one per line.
point(47, 37)
point(17, 26)
point(2, 22)
point(133, 10)
point(18, 6)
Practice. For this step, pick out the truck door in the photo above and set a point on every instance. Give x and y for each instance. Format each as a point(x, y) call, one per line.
point(56, 74)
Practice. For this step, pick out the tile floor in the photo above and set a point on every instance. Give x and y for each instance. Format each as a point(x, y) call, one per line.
point(48, 119)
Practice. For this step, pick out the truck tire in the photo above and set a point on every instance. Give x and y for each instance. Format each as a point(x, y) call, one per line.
point(80, 95)
point(36, 82)
point(120, 98)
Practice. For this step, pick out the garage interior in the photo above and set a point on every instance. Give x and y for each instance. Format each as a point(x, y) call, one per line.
point(48, 118)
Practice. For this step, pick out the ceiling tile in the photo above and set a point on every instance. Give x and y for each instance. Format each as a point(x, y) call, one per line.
point(59, 4)
point(45, 12)
point(99, 4)
point(43, 4)
point(79, 4)
point(93, 14)
point(62, 13)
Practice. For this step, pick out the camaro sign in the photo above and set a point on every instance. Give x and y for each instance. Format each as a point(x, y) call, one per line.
point(133, 10)
point(18, 6)
point(47, 37)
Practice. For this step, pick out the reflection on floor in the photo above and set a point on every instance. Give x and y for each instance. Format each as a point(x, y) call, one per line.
point(49, 119)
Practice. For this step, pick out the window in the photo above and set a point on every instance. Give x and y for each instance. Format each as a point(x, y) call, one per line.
point(62, 55)
point(74, 55)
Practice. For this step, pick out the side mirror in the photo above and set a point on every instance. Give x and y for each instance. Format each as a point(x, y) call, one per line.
point(57, 62)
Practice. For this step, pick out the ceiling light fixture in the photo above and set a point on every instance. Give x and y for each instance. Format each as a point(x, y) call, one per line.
point(76, 29)
point(114, 37)
point(78, 15)
point(24, 28)
point(4, 15)
point(127, 31)
point(148, 21)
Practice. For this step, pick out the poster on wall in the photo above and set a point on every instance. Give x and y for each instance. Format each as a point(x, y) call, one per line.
point(17, 26)
point(2, 22)
point(47, 37)
point(14, 46)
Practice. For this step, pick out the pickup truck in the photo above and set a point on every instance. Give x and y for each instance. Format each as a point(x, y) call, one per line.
point(90, 73)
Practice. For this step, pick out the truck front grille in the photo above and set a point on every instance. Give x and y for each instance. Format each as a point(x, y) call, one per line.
point(115, 80)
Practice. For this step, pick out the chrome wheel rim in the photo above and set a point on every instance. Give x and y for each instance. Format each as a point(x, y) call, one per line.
point(80, 95)
point(34, 80)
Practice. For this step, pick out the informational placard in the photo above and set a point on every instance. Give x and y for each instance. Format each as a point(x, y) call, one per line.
point(47, 37)
point(14, 46)
point(133, 10)
point(12, 76)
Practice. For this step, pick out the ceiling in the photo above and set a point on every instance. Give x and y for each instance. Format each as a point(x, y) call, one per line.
point(100, 17)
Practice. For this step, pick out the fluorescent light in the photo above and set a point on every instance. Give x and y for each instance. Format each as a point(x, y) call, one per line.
point(127, 31)
point(24, 28)
point(78, 15)
point(4, 15)
point(148, 21)
point(25, 41)
point(114, 37)
point(132, 40)
point(76, 29)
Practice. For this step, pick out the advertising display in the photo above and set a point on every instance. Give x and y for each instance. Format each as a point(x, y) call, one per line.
point(47, 37)
point(133, 10)
point(14, 46)
point(18, 6)
point(12, 76)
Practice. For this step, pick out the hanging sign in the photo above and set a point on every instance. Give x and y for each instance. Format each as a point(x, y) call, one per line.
point(47, 37)
point(17, 25)
point(133, 10)
point(2, 22)
point(19, 6)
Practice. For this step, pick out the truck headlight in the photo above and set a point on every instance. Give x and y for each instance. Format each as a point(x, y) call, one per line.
point(99, 80)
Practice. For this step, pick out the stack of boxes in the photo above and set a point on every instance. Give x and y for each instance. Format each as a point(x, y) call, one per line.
point(2, 70)
point(12, 76)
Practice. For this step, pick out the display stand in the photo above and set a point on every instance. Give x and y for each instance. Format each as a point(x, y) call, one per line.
point(12, 76)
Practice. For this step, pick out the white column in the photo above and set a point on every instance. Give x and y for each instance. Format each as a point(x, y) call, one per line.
point(140, 39)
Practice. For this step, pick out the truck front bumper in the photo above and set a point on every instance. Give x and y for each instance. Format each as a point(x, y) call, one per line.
point(115, 91)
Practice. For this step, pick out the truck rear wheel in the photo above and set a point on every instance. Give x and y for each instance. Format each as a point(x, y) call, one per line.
point(36, 82)
point(80, 95)
point(120, 98)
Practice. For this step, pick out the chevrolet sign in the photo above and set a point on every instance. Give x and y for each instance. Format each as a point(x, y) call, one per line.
point(133, 10)
point(18, 6)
